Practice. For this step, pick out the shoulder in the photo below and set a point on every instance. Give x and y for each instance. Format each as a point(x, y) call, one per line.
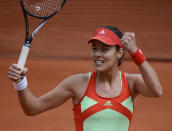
point(78, 85)
point(132, 77)
point(76, 80)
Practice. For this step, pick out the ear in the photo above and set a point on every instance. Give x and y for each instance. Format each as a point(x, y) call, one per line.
point(120, 53)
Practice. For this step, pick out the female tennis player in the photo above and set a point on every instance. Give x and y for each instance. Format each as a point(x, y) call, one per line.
point(102, 100)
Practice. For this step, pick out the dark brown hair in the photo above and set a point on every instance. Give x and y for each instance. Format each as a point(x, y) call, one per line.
point(119, 34)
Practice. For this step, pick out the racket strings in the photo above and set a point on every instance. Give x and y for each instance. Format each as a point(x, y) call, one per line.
point(42, 8)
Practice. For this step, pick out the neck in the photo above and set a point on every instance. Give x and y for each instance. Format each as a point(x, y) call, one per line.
point(108, 76)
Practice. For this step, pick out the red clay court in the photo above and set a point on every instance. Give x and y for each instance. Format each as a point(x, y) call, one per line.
point(60, 49)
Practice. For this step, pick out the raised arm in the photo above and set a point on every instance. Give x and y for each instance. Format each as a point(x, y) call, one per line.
point(146, 83)
point(32, 105)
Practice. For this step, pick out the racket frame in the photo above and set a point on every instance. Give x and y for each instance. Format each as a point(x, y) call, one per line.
point(28, 38)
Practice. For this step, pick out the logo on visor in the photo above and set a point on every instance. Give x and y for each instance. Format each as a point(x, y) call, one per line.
point(102, 32)
point(140, 52)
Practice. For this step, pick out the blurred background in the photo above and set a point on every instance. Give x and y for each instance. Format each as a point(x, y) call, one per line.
point(60, 49)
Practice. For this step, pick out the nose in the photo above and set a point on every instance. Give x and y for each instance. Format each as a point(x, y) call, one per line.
point(98, 53)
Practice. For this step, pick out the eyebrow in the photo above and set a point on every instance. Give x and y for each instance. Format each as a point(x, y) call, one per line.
point(104, 45)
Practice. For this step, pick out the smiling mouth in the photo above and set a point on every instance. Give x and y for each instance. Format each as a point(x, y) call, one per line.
point(98, 62)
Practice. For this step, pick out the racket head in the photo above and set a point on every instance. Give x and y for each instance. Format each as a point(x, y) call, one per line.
point(42, 9)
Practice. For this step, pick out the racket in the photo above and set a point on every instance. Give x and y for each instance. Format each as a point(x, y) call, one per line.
point(40, 9)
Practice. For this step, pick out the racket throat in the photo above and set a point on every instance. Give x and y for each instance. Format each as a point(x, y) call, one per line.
point(28, 41)
point(38, 28)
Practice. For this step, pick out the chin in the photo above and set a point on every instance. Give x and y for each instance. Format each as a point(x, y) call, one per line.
point(100, 69)
point(103, 68)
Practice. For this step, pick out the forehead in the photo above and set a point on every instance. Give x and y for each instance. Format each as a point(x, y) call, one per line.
point(99, 43)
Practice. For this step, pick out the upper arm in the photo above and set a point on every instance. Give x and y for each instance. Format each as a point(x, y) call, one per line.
point(57, 96)
point(137, 85)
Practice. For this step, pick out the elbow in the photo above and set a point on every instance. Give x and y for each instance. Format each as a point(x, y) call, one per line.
point(28, 114)
point(31, 113)
point(158, 92)
point(32, 109)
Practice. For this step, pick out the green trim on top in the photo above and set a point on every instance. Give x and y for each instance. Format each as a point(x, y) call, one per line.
point(128, 103)
point(86, 103)
point(121, 81)
point(89, 75)
point(106, 120)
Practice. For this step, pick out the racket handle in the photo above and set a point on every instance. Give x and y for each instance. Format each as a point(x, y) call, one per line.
point(23, 56)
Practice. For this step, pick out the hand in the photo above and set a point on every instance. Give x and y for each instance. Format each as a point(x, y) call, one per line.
point(129, 42)
point(15, 73)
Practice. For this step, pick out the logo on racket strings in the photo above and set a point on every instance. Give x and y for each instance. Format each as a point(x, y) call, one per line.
point(38, 8)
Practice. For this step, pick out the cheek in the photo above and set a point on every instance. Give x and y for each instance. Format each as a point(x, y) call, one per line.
point(91, 54)
point(111, 56)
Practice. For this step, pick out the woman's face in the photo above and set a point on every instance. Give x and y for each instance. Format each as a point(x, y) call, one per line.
point(104, 56)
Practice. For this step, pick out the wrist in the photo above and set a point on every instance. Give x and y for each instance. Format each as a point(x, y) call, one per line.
point(138, 57)
point(132, 50)
point(20, 85)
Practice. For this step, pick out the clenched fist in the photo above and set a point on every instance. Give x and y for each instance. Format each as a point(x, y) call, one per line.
point(129, 42)
point(15, 73)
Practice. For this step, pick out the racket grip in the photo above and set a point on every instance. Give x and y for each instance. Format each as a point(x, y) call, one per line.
point(23, 56)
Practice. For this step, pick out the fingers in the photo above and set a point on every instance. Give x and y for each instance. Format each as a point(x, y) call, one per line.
point(129, 42)
point(129, 33)
point(15, 69)
point(14, 77)
point(128, 37)
point(24, 71)
point(15, 73)
point(15, 66)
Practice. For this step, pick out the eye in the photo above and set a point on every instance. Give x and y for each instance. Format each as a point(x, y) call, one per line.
point(105, 49)
point(94, 48)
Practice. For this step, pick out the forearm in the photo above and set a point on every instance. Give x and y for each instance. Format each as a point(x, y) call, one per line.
point(150, 78)
point(32, 105)
point(148, 83)
point(28, 102)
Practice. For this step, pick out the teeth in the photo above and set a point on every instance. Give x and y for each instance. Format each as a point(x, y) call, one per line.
point(98, 62)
